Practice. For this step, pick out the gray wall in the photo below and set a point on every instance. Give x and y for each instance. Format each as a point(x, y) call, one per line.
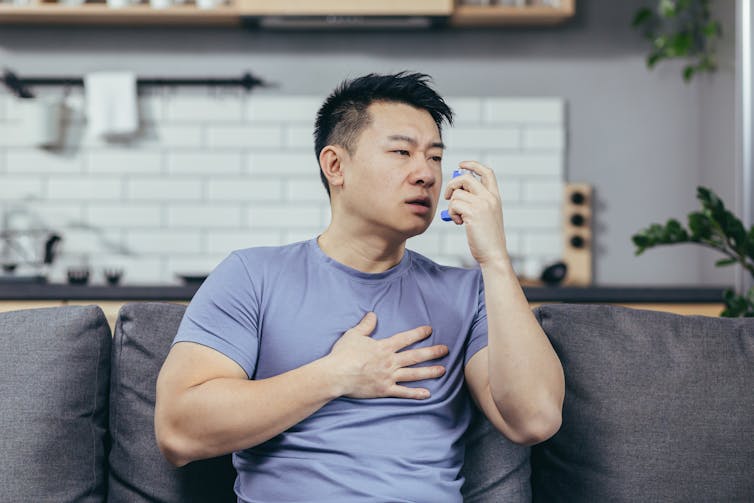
point(644, 139)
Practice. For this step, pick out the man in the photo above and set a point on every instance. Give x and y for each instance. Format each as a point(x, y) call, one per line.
point(334, 368)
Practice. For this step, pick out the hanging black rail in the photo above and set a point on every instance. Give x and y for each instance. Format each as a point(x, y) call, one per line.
point(19, 86)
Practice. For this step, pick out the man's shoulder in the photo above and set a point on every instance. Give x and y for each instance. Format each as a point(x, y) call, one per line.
point(255, 253)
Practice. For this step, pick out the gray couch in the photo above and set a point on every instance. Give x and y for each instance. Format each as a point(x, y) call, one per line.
point(659, 407)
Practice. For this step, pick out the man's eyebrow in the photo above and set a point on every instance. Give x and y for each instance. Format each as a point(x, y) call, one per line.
point(408, 139)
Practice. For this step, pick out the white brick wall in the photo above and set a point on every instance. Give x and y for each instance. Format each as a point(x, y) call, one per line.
point(211, 172)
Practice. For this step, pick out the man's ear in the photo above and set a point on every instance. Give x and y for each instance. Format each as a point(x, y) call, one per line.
point(330, 159)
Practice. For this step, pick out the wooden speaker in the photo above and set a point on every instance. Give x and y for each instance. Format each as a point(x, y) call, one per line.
point(577, 234)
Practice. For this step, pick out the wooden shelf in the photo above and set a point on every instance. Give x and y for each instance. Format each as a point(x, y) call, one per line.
point(501, 15)
point(346, 7)
point(98, 13)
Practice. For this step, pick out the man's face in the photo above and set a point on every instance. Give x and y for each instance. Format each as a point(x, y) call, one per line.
point(397, 160)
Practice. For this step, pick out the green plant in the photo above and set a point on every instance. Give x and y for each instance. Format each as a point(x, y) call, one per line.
point(714, 227)
point(680, 29)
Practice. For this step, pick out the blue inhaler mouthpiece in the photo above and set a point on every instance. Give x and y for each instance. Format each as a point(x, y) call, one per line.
point(444, 213)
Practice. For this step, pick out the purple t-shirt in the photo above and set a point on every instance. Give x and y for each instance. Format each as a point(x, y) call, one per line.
point(274, 309)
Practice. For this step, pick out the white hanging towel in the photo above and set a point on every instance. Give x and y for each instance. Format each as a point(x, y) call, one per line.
point(111, 107)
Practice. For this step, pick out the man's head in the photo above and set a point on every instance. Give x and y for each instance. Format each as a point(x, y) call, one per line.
point(343, 115)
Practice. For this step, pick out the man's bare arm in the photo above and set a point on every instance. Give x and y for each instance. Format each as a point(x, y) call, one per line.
point(206, 406)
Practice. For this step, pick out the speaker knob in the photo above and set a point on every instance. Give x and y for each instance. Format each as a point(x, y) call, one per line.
point(577, 219)
point(578, 198)
point(577, 242)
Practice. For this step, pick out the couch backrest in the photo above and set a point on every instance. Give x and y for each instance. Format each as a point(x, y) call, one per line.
point(658, 407)
point(54, 379)
point(138, 471)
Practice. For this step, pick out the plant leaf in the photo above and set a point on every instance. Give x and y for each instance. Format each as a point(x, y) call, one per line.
point(726, 261)
point(642, 16)
point(667, 8)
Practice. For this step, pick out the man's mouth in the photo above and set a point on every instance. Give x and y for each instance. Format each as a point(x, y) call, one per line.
point(421, 201)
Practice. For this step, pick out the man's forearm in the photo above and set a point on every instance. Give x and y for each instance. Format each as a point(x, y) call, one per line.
point(526, 377)
point(225, 415)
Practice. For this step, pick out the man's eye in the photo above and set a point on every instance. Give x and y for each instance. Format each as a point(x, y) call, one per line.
point(437, 158)
point(401, 152)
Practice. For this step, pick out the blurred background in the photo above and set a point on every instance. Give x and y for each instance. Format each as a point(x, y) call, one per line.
point(128, 160)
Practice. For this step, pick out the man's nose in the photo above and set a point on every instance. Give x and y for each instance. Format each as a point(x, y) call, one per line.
point(424, 173)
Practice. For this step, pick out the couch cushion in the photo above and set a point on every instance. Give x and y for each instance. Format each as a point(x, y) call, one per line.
point(138, 471)
point(53, 404)
point(658, 407)
point(496, 469)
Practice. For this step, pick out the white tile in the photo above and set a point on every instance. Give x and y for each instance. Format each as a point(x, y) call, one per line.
point(3, 105)
point(244, 189)
point(20, 187)
point(304, 164)
point(283, 108)
point(295, 236)
point(526, 164)
point(510, 191)
point(111, 161)
point(58, 216)
point(532, 218)
point(164, 189)
point(543, 191)
point(452, 157)
point(299, 137)
point(513, 242)
point(449, 260)
point(199, 264)
point(326, 215)
point(308, 189)
point(90, 242)
point(84, 188)
point(203, 108)
point(151, 108)
point(12, 136)
point(428, 244)
point(164, 241)
point(202, 162)
point(524, 110)
point(149, 136)
point(173, 135)
point(243, 136)
point(227, 241)
point(40, 161)
point(134, 215)
point(550, 138)
point(466, 110)
point(455, 243)
point(284, 216)
point(203, 215)
point(467, 137)
point(545, 243)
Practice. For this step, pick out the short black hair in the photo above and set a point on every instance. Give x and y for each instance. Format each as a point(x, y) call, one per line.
point(343, 115)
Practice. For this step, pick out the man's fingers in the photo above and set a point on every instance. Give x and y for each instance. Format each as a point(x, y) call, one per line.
point(406, 392)
point(419, 373)
point(403, 339)
point(413, 356)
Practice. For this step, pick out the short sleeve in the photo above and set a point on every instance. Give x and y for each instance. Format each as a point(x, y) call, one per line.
point(224, 314)
point(478, 332)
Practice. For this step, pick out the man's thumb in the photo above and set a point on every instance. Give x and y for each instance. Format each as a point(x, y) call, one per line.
point(367, 324)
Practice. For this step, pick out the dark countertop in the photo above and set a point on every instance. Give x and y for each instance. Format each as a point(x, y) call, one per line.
point(624, 294)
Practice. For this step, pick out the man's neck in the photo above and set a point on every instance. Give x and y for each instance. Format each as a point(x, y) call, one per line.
point(368, 253)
